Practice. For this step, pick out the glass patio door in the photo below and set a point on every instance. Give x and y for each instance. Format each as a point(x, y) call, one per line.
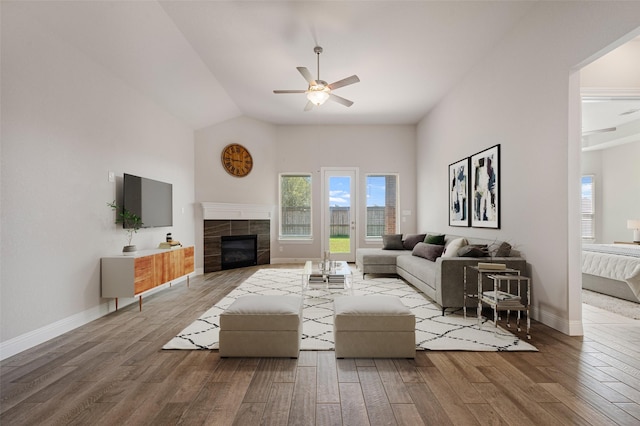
point(339, 212)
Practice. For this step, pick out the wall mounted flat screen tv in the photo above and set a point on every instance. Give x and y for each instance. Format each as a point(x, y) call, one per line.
point(150, 199)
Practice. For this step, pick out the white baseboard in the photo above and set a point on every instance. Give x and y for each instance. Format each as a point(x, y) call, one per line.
point(563, 325)
point(33, 338)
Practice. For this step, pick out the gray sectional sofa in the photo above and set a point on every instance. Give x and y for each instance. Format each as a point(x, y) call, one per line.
point(442, 280)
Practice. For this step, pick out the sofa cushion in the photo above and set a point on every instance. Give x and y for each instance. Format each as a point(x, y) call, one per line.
point(500, 249)
point(378, 256)
point(428, 251)
point(411, 240)
point(423, 270)
point(392, 242)
point(474, 250)
point(434, 239)
point(451, 249)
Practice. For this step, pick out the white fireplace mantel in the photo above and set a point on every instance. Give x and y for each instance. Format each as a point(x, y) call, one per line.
point(229, 211)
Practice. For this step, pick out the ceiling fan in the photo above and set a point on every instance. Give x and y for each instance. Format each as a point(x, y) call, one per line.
point(319, 91)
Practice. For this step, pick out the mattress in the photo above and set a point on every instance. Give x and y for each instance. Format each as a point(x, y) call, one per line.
point(619, 262)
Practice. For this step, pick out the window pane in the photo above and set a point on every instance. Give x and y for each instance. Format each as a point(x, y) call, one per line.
point(588, 208)
point(340, 214)
point(587, 194)
point(382, 200)
point(295, 205)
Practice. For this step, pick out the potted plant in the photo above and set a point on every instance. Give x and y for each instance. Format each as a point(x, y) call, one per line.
point(131, 222)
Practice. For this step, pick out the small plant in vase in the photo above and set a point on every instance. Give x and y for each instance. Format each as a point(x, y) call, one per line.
point(131, 222)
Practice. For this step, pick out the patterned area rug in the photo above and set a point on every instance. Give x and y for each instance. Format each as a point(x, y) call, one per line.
point(433, 331)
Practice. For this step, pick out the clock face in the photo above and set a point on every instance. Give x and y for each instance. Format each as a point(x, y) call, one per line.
point(236, 160)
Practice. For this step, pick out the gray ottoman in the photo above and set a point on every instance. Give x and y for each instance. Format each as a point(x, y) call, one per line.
point(373, 327)
point(262, 326)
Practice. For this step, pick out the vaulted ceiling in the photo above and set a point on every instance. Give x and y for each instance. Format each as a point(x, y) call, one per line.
point(209, 61)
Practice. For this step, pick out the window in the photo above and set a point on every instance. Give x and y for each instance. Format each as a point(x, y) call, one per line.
point(588, 208)
point(295, 206)
point(382, 205)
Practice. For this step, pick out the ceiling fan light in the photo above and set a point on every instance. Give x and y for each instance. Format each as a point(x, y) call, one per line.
point(318, 95)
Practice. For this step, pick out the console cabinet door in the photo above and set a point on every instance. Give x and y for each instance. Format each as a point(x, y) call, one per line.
point(144, 278)
point(176, 264)
point(189, 261)
point(161, 268)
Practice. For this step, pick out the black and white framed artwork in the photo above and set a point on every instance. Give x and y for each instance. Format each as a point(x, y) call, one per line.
point(459, 193)
point(485, 188)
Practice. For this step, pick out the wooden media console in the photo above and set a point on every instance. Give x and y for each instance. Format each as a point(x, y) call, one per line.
point(130, 276)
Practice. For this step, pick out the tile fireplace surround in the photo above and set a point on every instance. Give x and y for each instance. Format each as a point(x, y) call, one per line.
point(223, 219)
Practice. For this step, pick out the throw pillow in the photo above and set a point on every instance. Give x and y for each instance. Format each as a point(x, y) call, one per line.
point(428, 251)
point(392, 242)
point(474, 250)
point(411, 240)
point(451, 250)
point(434, 239)
point(501, 250)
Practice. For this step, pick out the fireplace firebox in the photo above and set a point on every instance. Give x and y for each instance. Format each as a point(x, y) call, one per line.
point(238, 251)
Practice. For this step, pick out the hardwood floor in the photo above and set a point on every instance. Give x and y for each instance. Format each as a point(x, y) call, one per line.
point(112, 371)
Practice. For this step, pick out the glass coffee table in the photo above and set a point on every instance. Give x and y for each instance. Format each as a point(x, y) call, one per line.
point(338, 276)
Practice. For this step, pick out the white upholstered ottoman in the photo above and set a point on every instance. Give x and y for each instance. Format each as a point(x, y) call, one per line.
point(373, 327)
point(261, 326)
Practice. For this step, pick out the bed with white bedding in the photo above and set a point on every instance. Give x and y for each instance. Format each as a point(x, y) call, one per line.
point(612, 269)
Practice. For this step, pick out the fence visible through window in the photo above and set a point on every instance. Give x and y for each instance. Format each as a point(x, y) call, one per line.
point(295, 221)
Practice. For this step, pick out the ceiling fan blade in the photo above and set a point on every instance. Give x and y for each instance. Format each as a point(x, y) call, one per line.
point(344, 82)
point(340, 100)
point(307, 75)
point(591, 132)
point(289, 91)
point(308, 106)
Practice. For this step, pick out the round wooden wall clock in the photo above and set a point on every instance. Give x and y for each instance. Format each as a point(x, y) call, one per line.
point(236, 160)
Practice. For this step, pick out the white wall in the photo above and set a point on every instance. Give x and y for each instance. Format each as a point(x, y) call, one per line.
point(66, 122)
point(278, 149)
point(372, 149)
point(618, 69)
point(518, 96)
point(214, 184)
point(620, 191)
point(617, 192)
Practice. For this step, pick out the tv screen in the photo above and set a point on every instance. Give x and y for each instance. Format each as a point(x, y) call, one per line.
point(150, 199)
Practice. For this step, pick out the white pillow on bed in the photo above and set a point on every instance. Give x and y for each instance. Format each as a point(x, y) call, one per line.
point(452, 249)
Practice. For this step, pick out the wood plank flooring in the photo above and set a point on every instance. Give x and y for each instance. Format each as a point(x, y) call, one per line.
point(113, 371)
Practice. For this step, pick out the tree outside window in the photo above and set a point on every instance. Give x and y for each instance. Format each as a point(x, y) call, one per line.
point(295, 206)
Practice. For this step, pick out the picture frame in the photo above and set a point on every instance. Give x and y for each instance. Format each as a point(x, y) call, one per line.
point(485, 188)
point(459, 193)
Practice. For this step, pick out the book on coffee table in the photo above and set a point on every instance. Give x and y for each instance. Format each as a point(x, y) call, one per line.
point(316, 278)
